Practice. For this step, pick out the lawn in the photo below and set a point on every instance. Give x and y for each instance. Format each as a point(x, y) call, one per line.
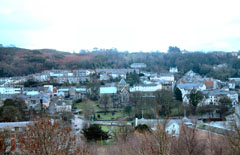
point(108, 128)
point(81, 105)
point(109, 116)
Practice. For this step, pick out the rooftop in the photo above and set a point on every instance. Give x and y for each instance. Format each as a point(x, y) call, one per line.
point(122, 82)
point(189, 85)
point(108, 90)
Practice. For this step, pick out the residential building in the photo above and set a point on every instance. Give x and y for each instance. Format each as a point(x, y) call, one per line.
point(186, 88)
point(173, 70)
point(11, 90)
point(123, 71)
point(63, 106)
point(213, 96)
point(235, 80)
point(190, 77)
point(138, 65)
point(104, 77)
point(163, 77)
point(146, 88)
point(119, 93)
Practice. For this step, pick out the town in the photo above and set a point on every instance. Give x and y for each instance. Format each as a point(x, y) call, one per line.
point(109, 97)
point(119, 77)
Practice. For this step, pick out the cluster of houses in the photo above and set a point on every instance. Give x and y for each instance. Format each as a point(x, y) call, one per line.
point(119, 92)
point(42, 97)
point(212, 89)
point(59, 98)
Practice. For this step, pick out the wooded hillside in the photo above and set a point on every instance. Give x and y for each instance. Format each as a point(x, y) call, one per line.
point(17, 61)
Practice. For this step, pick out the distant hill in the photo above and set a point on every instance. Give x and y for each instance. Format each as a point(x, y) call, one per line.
point(18, 61)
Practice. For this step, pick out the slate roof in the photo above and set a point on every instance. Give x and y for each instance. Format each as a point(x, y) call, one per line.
point(166, 74)
point(108, 90)
point(219, 92)
point(122, 82)
point(61, 102)
point(138, 65)
point(116, 70)
point(189, 86)
point(81, 89)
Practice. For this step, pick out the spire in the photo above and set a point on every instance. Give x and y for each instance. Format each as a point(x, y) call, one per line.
point(122, 82)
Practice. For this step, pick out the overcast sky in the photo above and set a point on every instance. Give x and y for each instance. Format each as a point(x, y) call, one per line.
point(133, 25)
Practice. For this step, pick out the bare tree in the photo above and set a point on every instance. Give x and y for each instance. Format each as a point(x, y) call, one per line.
point(49, 137)
point(105, 101)
point(188, 142)
point(145, 143)
point(162, 139)
point(234, 136)
point(164, 99)
point(88, 109)
point(216, 144)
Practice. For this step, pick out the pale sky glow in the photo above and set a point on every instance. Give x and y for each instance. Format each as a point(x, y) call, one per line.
point(133, 25)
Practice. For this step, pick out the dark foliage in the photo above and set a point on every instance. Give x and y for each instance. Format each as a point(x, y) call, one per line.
point(142, 128)
point(94, 133)
point(195, 98)
point(224, 105)
point(13, 110)
point(178, 94)
point(17, 62)
point(174, 49)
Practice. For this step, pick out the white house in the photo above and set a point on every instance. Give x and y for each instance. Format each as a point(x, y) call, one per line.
point(10, 90)
point(40, 77)
point(32, 93)
point(146, 88)
point(167, 76)
point(138, 65)
point(104, 77)
point(83, 72)
point(62, 91)
point(231, 85)
point(48, 88)
point(187, 87)
point(115, 75)
point(173, 70)
point(215, 95)
point(163, 77)
point(63, 105)
point(190, 77)
point(56, 75)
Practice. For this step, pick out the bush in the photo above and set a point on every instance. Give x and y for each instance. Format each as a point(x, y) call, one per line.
point(94, 133)
point(142, 128)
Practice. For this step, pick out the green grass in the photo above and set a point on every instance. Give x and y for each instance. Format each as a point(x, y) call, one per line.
point(174, 112)
point(78, 105)
point(105, 128)
point(81, 105)
point(109, 116)
point(108, 128)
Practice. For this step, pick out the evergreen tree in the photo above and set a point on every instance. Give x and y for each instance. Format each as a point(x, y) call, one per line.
point(178, 94)
point(94, 133)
